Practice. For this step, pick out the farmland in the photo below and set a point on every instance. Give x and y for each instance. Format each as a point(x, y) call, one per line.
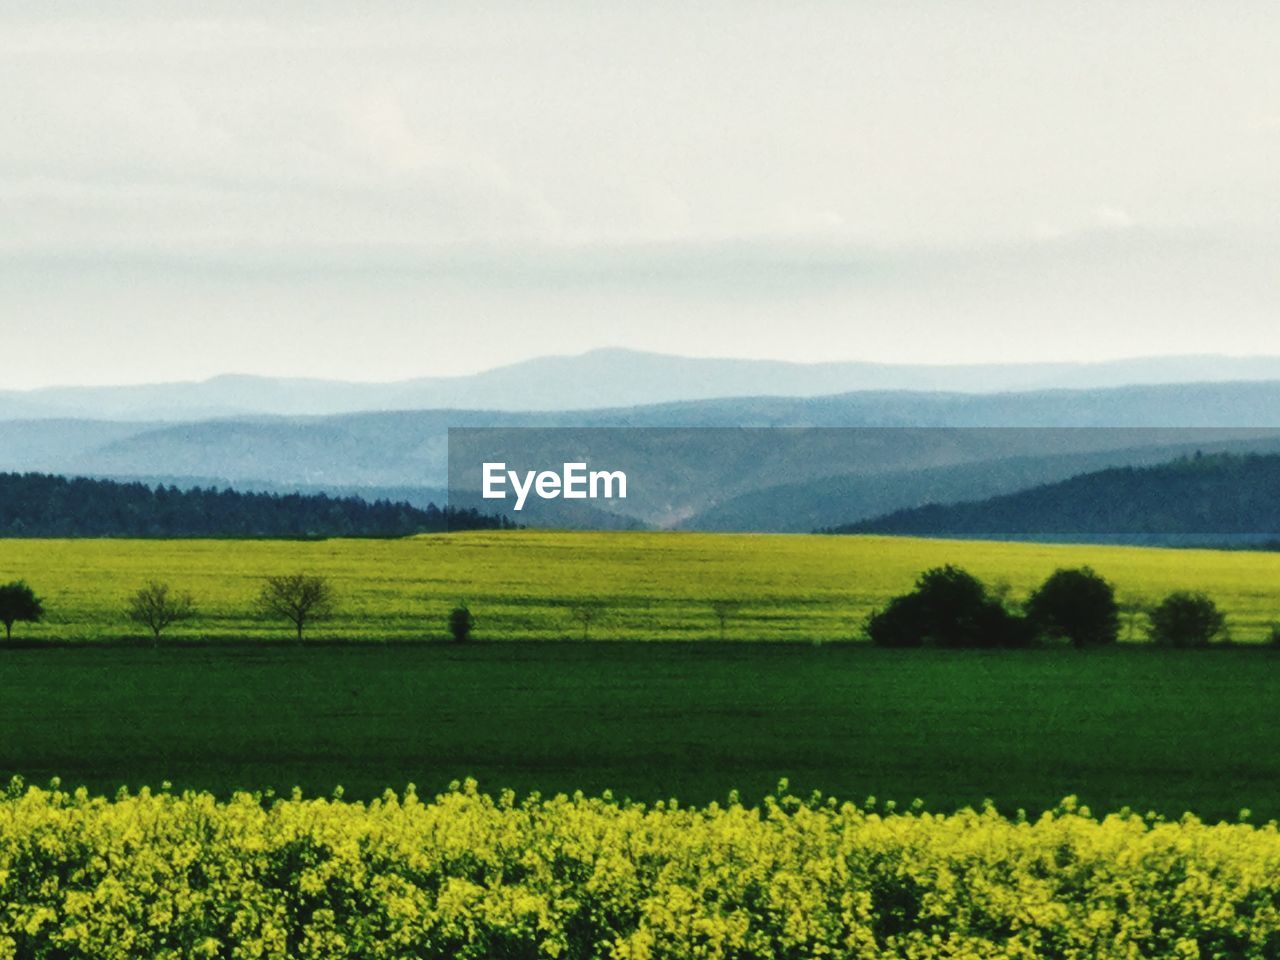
point(522, 585)
point(467, 877)
point(1152, 729)
point(374, 698)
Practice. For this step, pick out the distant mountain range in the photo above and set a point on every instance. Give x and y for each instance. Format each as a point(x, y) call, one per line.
point(1217, 499)
point(958, 447)
point(754, 480)
point(608, 378)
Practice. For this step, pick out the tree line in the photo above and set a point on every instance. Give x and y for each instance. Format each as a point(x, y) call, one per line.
point(950, 607)
point(298, 599)
point(44, 505)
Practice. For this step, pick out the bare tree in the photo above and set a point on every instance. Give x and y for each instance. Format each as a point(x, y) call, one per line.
point(156, 606)
point(724, 610)
point(297, 597)
point(587, 613)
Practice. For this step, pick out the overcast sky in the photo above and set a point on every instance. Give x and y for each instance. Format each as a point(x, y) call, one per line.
point(376, 190)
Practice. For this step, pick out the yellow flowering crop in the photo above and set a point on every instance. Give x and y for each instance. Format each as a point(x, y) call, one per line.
point(469, 876)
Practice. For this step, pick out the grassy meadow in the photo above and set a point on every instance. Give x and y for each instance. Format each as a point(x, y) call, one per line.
point(230, 701)
point(1152, 729)
point(653, 586)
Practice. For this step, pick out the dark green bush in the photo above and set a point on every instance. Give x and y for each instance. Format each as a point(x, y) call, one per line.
point(1076, 605)
point(460, 623)
point(949, 607)
point(18, 602)
point(1185, 619)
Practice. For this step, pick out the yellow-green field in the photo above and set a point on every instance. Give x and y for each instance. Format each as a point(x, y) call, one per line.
point(469, 877)
point(522, 585)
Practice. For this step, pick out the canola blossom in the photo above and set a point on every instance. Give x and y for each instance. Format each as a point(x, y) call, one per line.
point(466, 875)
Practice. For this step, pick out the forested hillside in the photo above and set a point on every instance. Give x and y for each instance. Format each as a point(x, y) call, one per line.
point(42, 505)
point(1222, 494)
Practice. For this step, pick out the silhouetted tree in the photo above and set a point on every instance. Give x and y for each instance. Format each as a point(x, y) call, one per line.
point(948, 608)
point(18, 603)
point(1076, 605)
point(1185, 619)
point(586, 613)
point(297, 597)
point(156, 607)
point(461, 623)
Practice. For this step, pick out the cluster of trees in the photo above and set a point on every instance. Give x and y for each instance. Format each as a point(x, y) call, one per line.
point(950, 607)
point(42, 505)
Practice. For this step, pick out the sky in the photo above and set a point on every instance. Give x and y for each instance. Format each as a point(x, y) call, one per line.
point(384, 190)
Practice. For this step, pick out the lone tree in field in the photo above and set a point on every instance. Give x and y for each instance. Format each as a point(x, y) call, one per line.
point(297, 597)
point(724, 610)
point(460, 623)
point(1076, 605)
point(1184, 619)
point(586, 614)
point(18, 603)
point(156, 606)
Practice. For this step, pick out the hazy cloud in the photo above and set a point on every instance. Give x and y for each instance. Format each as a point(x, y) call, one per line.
point(464, 184)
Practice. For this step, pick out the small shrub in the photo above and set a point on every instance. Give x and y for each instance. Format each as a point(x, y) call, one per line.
point(1184, 619)
point(1076, 605)
point(900, 624)
point(461, 623)
point(949, 607)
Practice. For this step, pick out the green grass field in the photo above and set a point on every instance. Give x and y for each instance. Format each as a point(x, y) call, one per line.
point(1165, 730)
point(654, 586)
point(1157, 729)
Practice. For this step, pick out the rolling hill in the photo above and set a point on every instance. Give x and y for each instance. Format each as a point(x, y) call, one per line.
point(1224, 498)
point(743, 477)
point(830, 502)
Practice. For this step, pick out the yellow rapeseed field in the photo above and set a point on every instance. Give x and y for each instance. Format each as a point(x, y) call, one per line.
point(524, 584)
point(157, 875)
